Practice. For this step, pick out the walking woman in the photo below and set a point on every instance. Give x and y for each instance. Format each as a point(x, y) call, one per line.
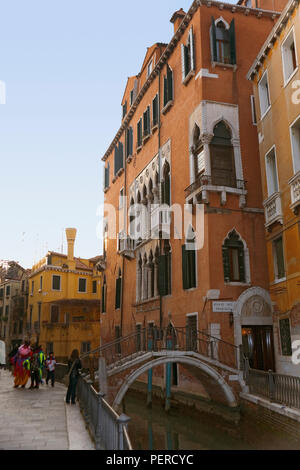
point(74, 365)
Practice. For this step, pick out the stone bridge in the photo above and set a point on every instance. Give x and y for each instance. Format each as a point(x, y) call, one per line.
point(214, 362)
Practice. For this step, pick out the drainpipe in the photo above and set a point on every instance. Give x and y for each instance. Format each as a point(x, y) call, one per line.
point(159, 178)
point(125, 217)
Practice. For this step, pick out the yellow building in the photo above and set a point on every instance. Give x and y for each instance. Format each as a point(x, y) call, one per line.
point(64, 302)
point(276, 78)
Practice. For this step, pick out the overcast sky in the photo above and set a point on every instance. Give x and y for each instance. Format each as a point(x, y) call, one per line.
point(65, 65)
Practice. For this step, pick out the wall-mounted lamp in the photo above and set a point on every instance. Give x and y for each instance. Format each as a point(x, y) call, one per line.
point(231, 319)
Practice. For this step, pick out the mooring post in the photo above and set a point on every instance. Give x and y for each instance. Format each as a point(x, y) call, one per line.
point(150, 375)
point(168, 376)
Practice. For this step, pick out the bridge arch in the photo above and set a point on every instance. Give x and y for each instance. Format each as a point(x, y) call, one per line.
point(181, 360)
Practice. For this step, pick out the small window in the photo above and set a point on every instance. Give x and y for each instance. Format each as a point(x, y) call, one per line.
point(285, 337)
point(56, 282)
point(6, 310)
point(106, 177)
point(264, 94)
point(54, 314)
point(234, 258)
point(7, 291)
point(85, 347)
point(149, 68)
point(82, 285)
point(271, 170)
point(94, 287)
point(289, 57)
point(129, 142)
point(223, 42)
point(119, 160)
point(278, 254)
point(103, 296)
point(118, 291)
point(1, 293)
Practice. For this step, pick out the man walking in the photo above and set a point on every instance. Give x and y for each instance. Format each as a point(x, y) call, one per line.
point(50, 366)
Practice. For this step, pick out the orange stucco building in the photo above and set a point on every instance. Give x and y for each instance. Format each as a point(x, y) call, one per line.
point(276, 79)
point(188, 136)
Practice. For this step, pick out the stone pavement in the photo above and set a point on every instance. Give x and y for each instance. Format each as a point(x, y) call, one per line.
point(39, 419)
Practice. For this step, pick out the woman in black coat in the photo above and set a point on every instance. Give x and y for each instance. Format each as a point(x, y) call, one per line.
point(74, 365)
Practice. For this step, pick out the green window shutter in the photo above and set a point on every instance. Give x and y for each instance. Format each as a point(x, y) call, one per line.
point(116, 160)
point(185, 279)
point(121, 155)
point(154, 111)
point(118, 292)
point(213, 41)
point(165, 91)
point(130, 141)
point(232, 42)
point(148, 119)
point(242, 265)
point(162, 275)
point(186, 60)
point(192, 268)
point(226, 264)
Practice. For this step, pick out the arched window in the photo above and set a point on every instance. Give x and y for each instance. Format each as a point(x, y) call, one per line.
point(222, 157)
point(234, 258)
point(198, 153)
point(223, 43)
point(189, 260)
point(164, 270)
point(118, 290)
point(165, 185)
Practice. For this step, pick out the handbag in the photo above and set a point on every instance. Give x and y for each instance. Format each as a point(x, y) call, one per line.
point(67, 377)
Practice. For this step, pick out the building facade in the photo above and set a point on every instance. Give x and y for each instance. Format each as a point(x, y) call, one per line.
point(188, 137)
point(13, 304)
point(64, 302)
point(276, 79)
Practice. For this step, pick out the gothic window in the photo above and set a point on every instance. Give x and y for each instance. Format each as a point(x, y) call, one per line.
point(222, 157)
point(223, 43)
point(189, 261)
point(234, 258)
point(165, 185)
point(118, 290)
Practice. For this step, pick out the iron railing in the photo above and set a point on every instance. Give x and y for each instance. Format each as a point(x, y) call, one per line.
point(108, 429)
point(155, 339)
point(206, 180)
point(278, 388)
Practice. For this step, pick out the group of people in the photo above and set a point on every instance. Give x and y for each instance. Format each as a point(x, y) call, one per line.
point(29, 362)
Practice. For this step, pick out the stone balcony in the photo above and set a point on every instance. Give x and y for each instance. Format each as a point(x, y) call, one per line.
point(198, 191)
point(273, 210)
point(294, 183)
point(127, 247)
point(160, 222)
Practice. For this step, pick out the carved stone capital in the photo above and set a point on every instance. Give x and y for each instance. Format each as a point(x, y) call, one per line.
point(206, 138)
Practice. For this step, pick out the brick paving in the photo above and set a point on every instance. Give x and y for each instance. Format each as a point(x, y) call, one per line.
point(39, 419)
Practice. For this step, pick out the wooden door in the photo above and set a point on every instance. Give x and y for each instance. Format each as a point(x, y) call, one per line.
point(258, 345)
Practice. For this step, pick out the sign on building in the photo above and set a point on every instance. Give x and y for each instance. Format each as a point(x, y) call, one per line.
point(223, 306)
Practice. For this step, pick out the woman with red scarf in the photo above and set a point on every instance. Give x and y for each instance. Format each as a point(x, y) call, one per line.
point(21, 374)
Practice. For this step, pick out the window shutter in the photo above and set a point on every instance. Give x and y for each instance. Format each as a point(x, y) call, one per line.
point(167, 198)
point(165, 91)
point(130, 141)
point(116, 160)
point(121, 155)
point(183, 66)
point(191, 34)
point(162, 275)
point(170, 83)
point(148, 119)
point(155, 110)
point(187, 61)
point(118, 292)
point(242, 265)
point(192, 268)
point(226, 264)
point(103, 300)
point(213, 41)
point(232, 42)
point(184, 268)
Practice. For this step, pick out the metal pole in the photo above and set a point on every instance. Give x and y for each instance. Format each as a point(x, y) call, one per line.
point(150, 375)
point(99, 430)
point(122, 421)
point(168, 377)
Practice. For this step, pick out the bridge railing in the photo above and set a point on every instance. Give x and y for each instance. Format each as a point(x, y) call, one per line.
point(108, 429)
point(156, 339)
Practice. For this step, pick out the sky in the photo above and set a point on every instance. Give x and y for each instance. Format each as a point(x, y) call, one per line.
point(65, 65)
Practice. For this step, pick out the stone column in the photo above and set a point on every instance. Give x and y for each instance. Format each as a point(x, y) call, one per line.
point(206, 140)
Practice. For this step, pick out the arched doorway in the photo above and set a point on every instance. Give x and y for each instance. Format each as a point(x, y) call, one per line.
point(254, 328)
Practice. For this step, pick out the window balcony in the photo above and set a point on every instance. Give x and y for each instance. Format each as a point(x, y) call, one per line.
point(199, 190)
point(161, 222)
point(273, 210)
point(126, 247)
point(294, 183)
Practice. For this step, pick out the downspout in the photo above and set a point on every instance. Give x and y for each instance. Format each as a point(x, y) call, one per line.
point(125, 217)
point(159, 179)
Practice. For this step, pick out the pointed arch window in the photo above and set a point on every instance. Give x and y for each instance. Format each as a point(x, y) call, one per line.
point(166, 186)
point(223, 42)
point(234, 258)
point(222, 157)
point(198, 153)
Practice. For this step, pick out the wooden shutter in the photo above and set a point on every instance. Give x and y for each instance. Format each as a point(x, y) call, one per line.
point(232, 42)
point(162, 275)
point(116, 160)
point(183, 66)
point(213, 41)
point(130, 141)
point(192, 46)
point(170, 83)
point(155, 110)
point(242, 265)
point(185, 279)
point(226, 263)
point(148, 120)
point(191, 255)
point(118, 292)
point(165, 91)
point(121, 155)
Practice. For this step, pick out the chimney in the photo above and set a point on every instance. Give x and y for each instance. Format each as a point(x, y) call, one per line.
point(177, 18)
point(71, 235)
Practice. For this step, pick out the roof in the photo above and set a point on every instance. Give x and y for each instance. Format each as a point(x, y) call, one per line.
point(271, 39)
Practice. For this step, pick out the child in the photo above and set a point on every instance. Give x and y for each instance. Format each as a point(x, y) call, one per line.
point(50, 366)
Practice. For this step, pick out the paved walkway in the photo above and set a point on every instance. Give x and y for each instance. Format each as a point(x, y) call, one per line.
point(39, 419)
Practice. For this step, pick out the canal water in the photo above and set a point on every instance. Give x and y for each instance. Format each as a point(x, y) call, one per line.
point(185, 429)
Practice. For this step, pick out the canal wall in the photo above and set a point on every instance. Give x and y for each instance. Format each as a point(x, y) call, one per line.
point(187, 401)
point(279, 417)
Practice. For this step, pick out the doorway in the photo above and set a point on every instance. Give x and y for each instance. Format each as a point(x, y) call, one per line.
point(258, 346)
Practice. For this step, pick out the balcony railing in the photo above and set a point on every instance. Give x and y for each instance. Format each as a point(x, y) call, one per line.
point(206, 182)
point(295, 191)
point(160, 222)
point(273, 209)
point(126, 247)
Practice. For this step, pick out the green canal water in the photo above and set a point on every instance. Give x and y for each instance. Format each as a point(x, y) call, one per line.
point(185, 429)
